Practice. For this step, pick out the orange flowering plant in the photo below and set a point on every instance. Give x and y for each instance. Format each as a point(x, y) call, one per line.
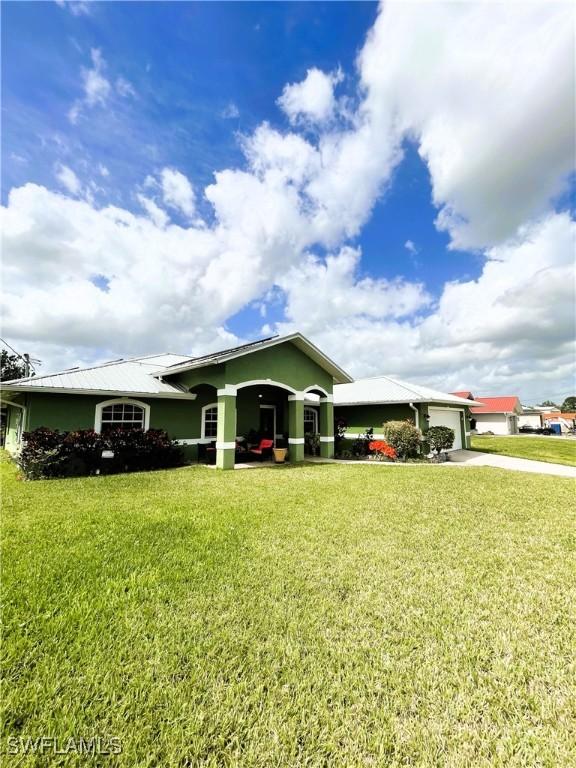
point(382, 449)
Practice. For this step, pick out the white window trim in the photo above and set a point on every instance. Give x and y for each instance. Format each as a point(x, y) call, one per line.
point(118, 401)
point(203, 422)
point(315, 412)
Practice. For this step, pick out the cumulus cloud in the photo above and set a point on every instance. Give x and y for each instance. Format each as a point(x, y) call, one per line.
point(156, 214)
point(68, 179)
point(177, 191)
point(487, 90)
point(513, 326)
point(312, 99)
point(491, 120)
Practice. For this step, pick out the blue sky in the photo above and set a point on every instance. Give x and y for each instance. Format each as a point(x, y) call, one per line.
point(188, 86)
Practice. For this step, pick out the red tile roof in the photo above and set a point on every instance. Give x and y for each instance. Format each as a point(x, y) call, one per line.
point(496, 405)
point(465, 395)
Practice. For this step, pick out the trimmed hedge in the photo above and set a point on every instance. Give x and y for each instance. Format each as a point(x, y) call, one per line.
point(51, 453)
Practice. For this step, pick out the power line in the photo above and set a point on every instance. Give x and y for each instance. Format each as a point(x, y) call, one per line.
point(26, 359)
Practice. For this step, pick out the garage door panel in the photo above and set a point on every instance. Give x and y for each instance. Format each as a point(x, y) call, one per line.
point(447, 418)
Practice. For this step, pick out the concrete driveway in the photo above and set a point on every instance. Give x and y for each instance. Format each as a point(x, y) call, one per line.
point(477, 459)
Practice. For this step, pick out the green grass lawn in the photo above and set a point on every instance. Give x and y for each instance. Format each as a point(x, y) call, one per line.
point(537, 448)
point(323, 615)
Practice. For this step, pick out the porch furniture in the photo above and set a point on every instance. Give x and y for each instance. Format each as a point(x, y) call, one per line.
point(264, 450)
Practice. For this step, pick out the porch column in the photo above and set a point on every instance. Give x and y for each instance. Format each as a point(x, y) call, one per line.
point(327, 427)
point(226, 430)
point(296, 426)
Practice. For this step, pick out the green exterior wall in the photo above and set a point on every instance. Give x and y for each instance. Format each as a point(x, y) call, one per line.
point(362, 417)
point(285, 364)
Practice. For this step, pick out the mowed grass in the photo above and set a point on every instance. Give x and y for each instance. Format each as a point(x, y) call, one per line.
point(537, 448)
point(323, 615)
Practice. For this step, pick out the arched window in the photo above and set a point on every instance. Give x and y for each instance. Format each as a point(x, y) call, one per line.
point(123, 412)
point(210, 420)
point(310, 421)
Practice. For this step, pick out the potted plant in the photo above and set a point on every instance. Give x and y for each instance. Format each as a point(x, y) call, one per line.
point(280, 455)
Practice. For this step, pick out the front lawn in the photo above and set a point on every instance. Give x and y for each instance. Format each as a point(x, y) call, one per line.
point(541, 448)
point(323, 615)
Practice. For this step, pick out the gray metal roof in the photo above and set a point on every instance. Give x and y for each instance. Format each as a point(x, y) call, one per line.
point(383, 389)
point(133, 376)
point(299, 341)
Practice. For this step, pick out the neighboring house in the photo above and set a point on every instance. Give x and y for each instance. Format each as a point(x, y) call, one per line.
point(368, 403)
point(565, 420)
point(215, 398)
point(531, 417)
point(499, 415)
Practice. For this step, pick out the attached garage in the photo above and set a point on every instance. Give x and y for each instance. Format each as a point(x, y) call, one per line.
point(368, 403)
point(448, 417)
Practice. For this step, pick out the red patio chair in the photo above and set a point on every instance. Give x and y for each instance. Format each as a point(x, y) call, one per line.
point(264, 449)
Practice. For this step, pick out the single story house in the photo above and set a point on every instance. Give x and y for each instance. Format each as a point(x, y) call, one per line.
point(368, 403)
point(216, 398)
point(279, 388)
point(499, 415)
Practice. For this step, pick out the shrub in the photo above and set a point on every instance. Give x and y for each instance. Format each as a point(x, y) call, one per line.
point(382, 450)
point(50, 453)
point(439, 438)
point(404, 437)
point(41, 454)
point(360, 445)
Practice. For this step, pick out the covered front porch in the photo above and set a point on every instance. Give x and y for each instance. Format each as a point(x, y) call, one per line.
point(253, 416)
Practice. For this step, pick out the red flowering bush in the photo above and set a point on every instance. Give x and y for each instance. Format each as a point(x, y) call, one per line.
point(382, 450)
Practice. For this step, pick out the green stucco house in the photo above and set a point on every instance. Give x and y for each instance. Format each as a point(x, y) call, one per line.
point(281, 388)
point(261, 386)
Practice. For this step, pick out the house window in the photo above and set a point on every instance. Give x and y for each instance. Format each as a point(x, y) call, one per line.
point(130, 414)
point(310, 421)
point(210, 420)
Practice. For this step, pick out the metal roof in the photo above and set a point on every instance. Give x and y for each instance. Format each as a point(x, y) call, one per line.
point(133, 376)
point(299, 341)
point(505, 404)
point(383, 390)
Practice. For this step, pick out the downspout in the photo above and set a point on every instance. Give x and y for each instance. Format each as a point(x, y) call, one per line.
point(416, 415)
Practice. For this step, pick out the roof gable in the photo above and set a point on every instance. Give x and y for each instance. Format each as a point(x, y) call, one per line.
point(297, 339)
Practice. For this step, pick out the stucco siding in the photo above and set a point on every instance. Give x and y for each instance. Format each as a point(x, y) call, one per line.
point(491, 422)
point(284, 363)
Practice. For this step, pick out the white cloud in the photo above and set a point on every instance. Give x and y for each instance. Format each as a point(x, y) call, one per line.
point(490, 118)
point(68, 179)
point(97, 88)
point(487, 89)
point(76, 7)
point(512, 329)
point(320, 293)
point(177, 191)
point(124, 88)
point(102, 170)
point(312, 99)
point(230, 111)
point(156, 214)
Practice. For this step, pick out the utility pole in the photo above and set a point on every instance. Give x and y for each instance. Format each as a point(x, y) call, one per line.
point(26, 358)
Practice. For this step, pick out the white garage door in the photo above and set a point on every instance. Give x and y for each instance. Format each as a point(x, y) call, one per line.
point(447, 418)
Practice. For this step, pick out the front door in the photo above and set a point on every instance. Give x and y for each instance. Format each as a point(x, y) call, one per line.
point(268, 422)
